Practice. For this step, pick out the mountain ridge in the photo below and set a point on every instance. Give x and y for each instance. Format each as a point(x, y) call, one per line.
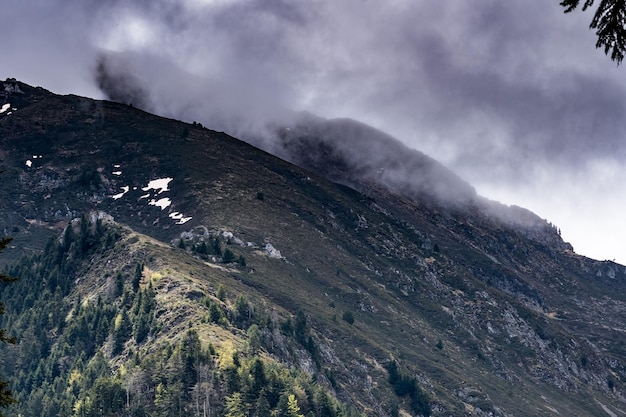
point(480, 314)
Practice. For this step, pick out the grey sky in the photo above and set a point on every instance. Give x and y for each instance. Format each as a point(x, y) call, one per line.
point(513, 96)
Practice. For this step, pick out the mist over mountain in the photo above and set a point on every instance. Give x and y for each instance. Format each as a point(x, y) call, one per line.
point(171, 91)
point(507, 95)
point(166, 266)
point(342, 150)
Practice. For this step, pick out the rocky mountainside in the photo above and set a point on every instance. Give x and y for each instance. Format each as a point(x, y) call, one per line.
point(384, 282)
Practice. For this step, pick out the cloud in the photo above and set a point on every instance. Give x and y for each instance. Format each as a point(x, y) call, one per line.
point(512, 96)
point(47, 43)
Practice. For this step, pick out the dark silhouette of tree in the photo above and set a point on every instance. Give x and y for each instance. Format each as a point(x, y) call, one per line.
point(6, 396)
point(405, 385)
point(228, 257)
point(137, 277)
point(263, 407)
point(609, 22)
point(348, 317)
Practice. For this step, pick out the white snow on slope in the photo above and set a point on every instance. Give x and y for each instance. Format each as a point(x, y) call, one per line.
point(155, 187)
point(158, 184)
point(120, 195)
point(180, 217)
point(161, 202)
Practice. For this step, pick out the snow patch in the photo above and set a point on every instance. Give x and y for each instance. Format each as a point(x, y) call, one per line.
point(120, 195)
point(161, 202)
point(180, 217)
point(5, 107)
point(158, 184)
point(29, 163)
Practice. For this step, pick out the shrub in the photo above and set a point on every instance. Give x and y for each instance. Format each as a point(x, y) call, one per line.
point(348, 317)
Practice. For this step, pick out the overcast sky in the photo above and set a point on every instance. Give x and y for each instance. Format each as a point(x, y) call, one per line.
point(513, 96)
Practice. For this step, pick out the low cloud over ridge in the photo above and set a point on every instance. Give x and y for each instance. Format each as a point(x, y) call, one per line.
point(513, 97)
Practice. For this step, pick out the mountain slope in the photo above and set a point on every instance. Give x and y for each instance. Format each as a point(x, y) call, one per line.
point(481, 308)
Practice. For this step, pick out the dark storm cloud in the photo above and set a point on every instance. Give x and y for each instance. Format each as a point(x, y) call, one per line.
point(511, 95)
point(563, 122)
point(556, 114)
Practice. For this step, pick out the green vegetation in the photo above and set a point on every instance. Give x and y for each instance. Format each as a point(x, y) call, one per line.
point(348, 317)
point(6, 396)
point(405, 386)
point(83, 357)
point(212, 247)
point(228, 256)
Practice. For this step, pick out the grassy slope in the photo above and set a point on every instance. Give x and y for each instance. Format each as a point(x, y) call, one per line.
point(405, 297)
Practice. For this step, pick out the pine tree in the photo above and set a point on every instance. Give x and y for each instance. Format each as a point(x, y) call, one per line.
point(259, 380)
point(137, 277)
point(235, 406)
point(217, 247)
point(324, 406)
point(6, 396)
point(122, 330)
point(228, 256)
point(263, 406)
point(293, 407)
point(609, 22)
point(254, 339)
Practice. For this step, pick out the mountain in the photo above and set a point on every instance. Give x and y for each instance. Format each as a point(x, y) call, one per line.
point(166, 268)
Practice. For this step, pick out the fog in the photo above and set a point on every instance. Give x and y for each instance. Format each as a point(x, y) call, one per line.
point(512, 96)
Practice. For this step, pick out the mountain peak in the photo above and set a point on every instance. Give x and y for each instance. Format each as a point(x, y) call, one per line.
point(355, 154)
